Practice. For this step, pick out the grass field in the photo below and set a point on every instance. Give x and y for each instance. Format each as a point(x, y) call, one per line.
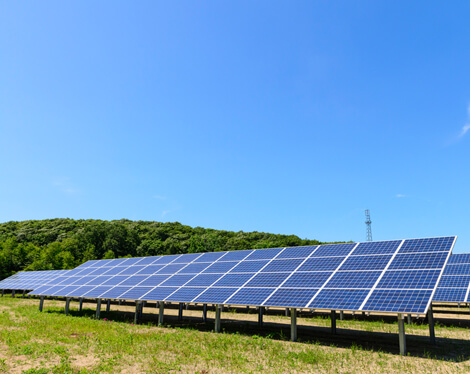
point(51, 342)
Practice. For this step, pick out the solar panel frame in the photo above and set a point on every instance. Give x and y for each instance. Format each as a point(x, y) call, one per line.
point(245, 277)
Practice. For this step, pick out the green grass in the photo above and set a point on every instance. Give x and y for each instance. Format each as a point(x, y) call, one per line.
point(50, 342)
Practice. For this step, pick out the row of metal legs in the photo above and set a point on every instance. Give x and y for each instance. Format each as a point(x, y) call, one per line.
point(261, 311)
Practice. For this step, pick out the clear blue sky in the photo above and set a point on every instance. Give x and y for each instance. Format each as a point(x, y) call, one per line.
point(283, 117)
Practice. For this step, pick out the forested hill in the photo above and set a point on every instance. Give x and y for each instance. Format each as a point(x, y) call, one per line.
point(66, 243)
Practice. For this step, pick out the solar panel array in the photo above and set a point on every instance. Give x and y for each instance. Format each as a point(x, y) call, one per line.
point(389, 276)
point(454, 285)
point(30, 280)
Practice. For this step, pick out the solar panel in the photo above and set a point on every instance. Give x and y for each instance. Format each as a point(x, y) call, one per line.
point(454, 285)
point(398, 276)
point(29, 280)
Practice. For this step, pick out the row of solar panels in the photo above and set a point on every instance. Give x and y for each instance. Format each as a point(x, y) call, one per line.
point(389, 276)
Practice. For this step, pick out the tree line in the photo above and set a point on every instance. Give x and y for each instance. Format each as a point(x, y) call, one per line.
point(55, 244)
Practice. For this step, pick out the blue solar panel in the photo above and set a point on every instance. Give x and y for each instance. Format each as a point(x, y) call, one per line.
point(307, 279)
point(186, 294)
point(400, 301)
point(114, 281)
point(250, 296)
point(455, 281)
point(352, 279)
point(291, 297)
point(297, 252)
point(419, 261)
point(194, 268)
point(455, 295)
point(351, 276)
point(267, 280)
point(340, 299)
point(135, 293)
point(150, 269)
point(459, 258)
point(186, 259)
point(160, 293)
point(457, 269)
point(96, 292)
point(215, 295)
point(116, 270)
point(178, 280)
point(377, 248)
point(115, 292)
point(366, 262)
point(220, 267)
point(321, 264)
point(265, 254)
point(204, 280)
point(154, 280)
point(249, 266)
point(406, 279)
point(334, 250)
point(233, 280)
point(282, 265)
point(210, 257)
point(426, 245)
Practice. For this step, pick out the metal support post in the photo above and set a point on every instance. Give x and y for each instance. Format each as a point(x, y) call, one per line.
point(24, 292)
point(98, 308)
point(341, 315)
point(204, 313)
point(187, 306)
point(80, 304)
point(137, 312)
point(287, 312)
point(41, 303)
point(333, 321)
point(3, 291)
point(293, 324)
point(409, 319)
point(401, 334)
point(218, 311)
point(161, 307)
point(432, 335)
point(67, 305)
point(180, 312)
point(13, 293)
point(260, 316)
